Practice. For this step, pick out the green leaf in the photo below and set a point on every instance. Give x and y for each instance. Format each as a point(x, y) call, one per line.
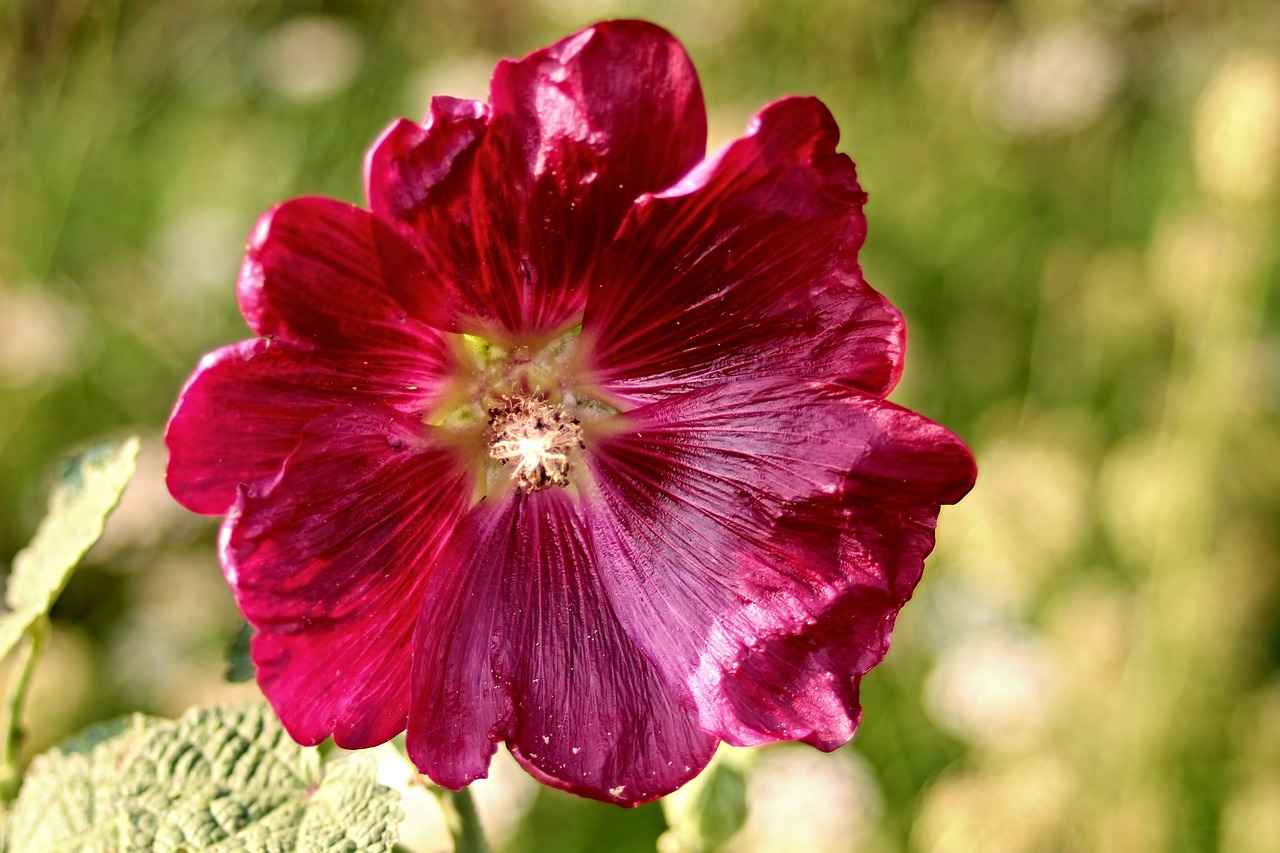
point(127, 730)
point(350, 811)
point(68, 801)
point(462, 819)
point(710, 809)
point(89, 488)
point(239, 661)
point(219, 779)
point(722, 805)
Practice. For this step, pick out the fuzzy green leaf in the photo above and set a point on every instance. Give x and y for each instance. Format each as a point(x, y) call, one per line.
point(350, 811)
point(68, 801)
point(218, 779)
point(90, 487)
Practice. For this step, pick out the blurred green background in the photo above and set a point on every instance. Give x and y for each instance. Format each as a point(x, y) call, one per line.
point(1073, 201)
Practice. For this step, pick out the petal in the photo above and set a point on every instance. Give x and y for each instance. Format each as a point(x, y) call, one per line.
point(330, 563)
point(321, 273)
point(823, 660)
point(519, 642)
point(746, 268)
point(418, 178)
point(739, 527)
point(577, 131)
point(416, 175)
point(244, 408)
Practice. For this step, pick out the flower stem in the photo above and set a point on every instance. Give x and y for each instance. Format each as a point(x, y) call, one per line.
point(462, 819)
point(19, 684)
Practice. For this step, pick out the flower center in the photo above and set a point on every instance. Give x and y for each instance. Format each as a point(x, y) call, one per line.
point(535, 436)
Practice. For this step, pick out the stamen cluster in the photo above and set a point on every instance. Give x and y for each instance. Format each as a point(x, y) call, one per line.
point(537, 437)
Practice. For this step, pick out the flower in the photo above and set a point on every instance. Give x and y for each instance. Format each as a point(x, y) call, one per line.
point(576, 439)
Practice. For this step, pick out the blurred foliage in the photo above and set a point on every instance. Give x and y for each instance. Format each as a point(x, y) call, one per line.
point(1073, 201)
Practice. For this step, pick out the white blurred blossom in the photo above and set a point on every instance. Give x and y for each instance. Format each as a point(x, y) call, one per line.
point(465, 76)
point(40, 337)
point(802, 799)
point(1028, 511)
point(1055, 80)
point(1018, 807)
point(991, 689)
point(1237, 128)
point(199, 251)
point(309, 59)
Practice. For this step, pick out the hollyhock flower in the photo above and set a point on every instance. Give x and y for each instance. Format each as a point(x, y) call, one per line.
point(575, 439)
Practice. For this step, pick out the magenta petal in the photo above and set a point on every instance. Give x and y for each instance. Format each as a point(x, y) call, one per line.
point(519, 642)
point(579, 130)
point(318, 272)
point(513, 215)
point(242, 411)
point(239, 416)
point(822, 661)
point(416, 175)
point(419, 177)
point(335, 594)
point(314, 282)
point(742, 527)
point(748, 267)
point(210, 455)
point(592, 122)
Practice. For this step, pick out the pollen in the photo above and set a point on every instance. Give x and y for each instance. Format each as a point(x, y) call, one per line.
point(536, 438)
